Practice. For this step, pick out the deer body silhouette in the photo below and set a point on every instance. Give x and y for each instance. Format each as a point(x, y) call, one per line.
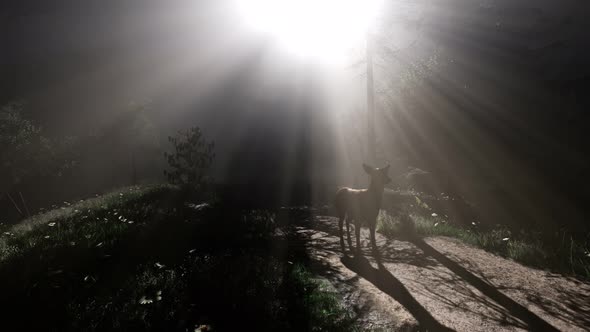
point(361, 206)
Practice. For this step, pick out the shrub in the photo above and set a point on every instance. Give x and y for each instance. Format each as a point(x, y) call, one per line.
point(190, 160)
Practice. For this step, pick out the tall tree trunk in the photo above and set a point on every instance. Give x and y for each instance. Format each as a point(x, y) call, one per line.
point(371, 137)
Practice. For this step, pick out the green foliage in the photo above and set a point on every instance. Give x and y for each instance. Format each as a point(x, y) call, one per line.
point(323, 310)
point(20, 146)
point(191, 158)
point(388, 225)
point(401, 225)
point(25, 153)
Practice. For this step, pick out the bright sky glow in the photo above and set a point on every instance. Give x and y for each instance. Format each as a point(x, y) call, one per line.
point(324, 30)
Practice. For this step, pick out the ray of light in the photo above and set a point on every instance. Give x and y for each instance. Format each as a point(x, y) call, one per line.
point(321, 29)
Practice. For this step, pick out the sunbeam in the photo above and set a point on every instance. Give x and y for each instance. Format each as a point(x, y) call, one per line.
point(196, 165)
point(324, 30)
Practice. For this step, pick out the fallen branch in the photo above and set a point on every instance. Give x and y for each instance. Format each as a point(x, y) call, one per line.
point(15, 205)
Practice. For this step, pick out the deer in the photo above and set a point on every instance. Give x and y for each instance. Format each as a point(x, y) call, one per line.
point(361, 206)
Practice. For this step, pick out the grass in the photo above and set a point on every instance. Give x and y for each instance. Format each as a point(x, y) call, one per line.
point(95, 222)
point(558, 252)
point(324, 311)
point(150, 259)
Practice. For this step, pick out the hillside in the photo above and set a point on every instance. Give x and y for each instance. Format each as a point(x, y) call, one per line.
point(150, 259)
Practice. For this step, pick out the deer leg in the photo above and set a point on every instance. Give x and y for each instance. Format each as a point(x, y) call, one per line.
point(373, 241)
point(348, 221)
point(357, 231)
point(340, 226)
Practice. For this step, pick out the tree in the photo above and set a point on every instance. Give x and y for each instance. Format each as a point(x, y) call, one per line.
point(190, 160)
point(382, 48)
point(25, 154)
point(135, 128)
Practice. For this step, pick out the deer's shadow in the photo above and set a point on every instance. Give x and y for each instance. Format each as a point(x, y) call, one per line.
point(387, 283)
point(464, 279)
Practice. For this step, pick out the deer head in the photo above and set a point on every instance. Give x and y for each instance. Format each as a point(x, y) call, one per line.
point(379, 177)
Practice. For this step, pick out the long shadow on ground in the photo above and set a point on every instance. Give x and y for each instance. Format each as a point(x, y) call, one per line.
point(390, 285)
point(425, 256)
point(534, 322)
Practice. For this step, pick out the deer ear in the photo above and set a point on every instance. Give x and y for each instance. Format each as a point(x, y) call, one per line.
point(368, 169)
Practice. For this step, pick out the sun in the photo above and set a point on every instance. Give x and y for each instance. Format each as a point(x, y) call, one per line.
point(319, 29)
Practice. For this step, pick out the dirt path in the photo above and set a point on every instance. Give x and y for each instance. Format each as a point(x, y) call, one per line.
point(441, 284)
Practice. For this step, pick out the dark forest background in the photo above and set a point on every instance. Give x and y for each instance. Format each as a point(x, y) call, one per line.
point(495, 108)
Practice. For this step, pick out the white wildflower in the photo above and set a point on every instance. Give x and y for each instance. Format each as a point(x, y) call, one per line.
point(145, 300)
point(202, 328)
